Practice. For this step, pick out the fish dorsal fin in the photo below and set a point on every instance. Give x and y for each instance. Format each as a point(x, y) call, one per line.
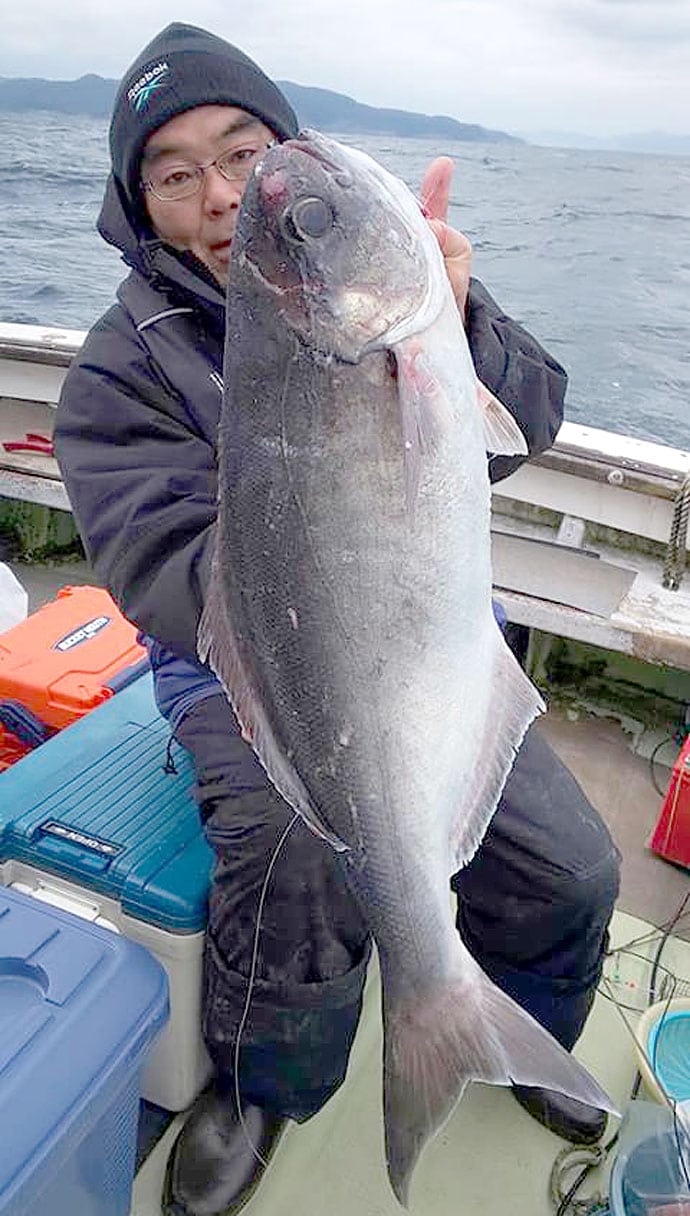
point(515, 703)
point(218, 645)
point(426, 414)
point(502, 435)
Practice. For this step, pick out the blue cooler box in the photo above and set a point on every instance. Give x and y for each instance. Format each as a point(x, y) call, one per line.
point(79, 1009)
point(100, 821)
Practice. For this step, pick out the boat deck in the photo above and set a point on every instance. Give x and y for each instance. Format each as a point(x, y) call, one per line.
point(491, 1158)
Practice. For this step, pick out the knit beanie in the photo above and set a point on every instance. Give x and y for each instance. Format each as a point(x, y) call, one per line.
point(181, 68)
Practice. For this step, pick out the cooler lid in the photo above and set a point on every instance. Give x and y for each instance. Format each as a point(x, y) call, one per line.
point(101, 804)
point(78, 1004)
point(61, 661)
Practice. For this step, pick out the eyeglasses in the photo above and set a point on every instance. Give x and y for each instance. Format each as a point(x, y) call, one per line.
point(172, 182)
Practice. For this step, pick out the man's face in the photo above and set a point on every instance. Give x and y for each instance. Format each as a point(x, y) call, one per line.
point(205, 222)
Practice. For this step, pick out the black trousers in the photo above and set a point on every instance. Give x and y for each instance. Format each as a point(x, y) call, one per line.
point(533, 908)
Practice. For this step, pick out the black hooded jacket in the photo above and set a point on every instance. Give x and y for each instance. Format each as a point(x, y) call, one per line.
point(137, 420)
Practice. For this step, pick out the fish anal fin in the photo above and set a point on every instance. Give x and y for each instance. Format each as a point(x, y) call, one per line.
point(218, 645)
point(426, 414)
point(502, 435)
point(468, 1030)
point(515, 703)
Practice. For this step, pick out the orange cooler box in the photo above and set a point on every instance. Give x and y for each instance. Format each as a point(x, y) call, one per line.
point(61, 662)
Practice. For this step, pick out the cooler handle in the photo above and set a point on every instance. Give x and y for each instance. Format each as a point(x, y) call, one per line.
point(27, 726)
point(69, 845)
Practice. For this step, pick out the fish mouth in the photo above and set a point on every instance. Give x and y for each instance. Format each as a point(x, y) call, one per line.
point(309, 142)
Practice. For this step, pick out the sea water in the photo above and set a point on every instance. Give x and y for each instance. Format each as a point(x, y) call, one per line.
point(589, 250)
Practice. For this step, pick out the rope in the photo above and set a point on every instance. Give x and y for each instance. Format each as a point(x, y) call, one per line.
point(562, 1195)
point(674, 562)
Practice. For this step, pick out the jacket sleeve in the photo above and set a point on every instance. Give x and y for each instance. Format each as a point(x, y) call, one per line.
point(519, 372)
point(141, 482)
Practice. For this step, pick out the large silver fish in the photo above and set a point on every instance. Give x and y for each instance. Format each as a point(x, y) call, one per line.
point(349, 615)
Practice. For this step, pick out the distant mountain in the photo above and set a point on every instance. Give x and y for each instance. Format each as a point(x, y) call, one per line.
point(655, 141)
point(661, 142)
point(319, 108)
point(89, 95)
point(336, 112)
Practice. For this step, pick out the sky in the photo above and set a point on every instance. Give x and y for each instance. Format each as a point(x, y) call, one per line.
point(600, 67)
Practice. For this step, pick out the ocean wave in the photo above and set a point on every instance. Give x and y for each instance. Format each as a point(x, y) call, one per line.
point(47, 291)
point(664, 216)
point(597, 269)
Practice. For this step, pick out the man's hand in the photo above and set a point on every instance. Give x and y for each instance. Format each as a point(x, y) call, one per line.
point(455, 247)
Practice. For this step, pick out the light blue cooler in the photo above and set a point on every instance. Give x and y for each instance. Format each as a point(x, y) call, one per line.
point(80, 1007)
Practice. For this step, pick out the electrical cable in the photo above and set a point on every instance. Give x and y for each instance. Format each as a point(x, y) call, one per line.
point(650, 935)
point(678, 736)
point(652, 758)
point(657, 958)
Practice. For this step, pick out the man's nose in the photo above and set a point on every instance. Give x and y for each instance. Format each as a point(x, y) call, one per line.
point(218, 192)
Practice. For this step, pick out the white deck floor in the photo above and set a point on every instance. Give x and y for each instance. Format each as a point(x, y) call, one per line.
point(491, 1159)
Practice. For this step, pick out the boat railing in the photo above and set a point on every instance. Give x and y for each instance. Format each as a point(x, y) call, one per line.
point(590, 539)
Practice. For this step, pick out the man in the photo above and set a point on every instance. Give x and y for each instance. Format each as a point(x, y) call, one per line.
point(136, 435)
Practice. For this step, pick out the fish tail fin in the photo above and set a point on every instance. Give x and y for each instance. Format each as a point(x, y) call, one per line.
point(468, 1030)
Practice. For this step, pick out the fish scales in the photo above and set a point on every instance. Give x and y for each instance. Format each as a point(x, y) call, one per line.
point(349, 614)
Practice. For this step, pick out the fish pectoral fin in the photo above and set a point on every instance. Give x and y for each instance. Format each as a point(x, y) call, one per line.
point(467, 1030)
point(426, 414)
point(502, 435)
point(514, 704)
point(218, 646)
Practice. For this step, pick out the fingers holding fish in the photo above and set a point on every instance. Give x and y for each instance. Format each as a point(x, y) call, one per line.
point(454, 245)
point(435, 189)
point(457, 257)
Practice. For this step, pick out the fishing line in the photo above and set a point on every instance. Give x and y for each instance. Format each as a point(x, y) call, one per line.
point(250, 986)
point(664, 928)
point(670, 1101)
point(669, 981)
point(618, 1005)
point(661, 932)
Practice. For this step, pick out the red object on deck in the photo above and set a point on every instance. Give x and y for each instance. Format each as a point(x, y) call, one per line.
point(33, 442)
point(11, 749)
point(671, 836)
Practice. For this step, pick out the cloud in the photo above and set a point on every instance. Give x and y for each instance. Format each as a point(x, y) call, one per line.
point(594, 65)
point(632, 22)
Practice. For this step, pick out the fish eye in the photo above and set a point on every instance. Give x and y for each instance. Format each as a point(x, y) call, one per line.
point(307, 218)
